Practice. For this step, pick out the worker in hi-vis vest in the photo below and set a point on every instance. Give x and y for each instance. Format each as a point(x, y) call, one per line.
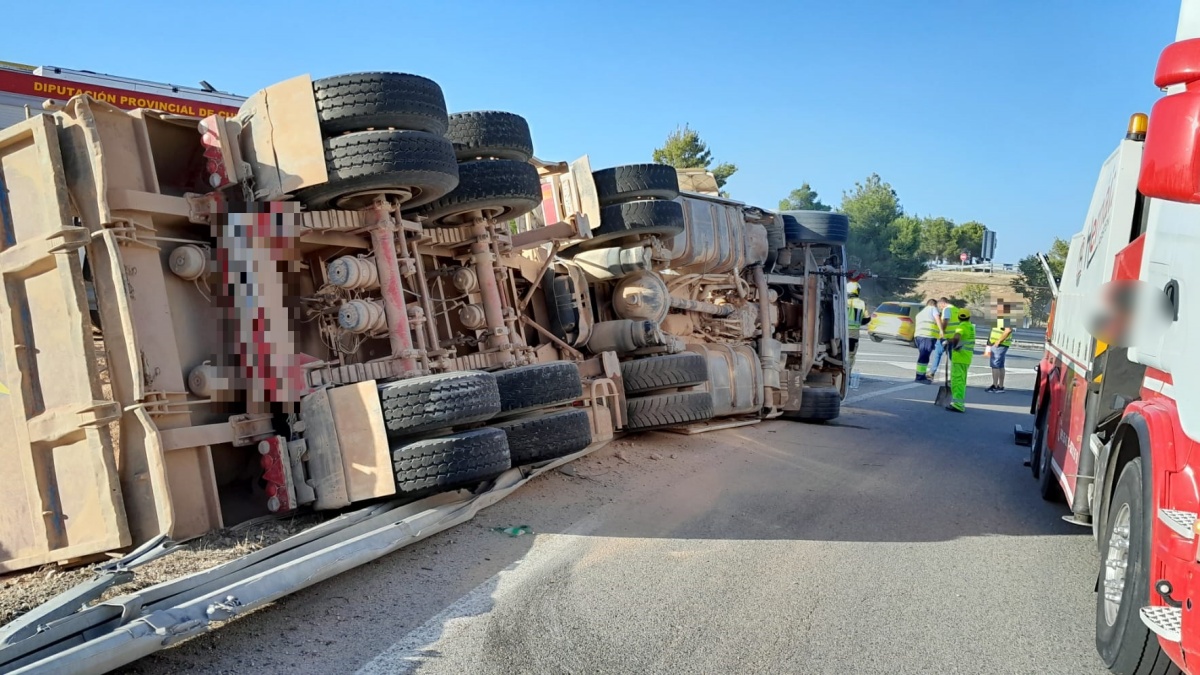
point(999, 341)
point(856, 309)
point(960, 343)
point(927, 333)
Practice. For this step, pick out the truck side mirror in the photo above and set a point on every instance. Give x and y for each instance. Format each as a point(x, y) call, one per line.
point(1171, 154)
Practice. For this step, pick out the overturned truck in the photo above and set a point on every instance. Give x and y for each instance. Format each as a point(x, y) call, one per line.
point(720, 313)
point(345, 297)
point(305, 306)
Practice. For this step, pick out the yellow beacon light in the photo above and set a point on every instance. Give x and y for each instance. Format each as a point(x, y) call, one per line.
point(1137, 127)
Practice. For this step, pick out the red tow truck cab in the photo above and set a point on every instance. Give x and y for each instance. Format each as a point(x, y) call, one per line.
point(1117, 409)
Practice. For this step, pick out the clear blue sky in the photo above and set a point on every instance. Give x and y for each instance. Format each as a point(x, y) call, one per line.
point(999, 112)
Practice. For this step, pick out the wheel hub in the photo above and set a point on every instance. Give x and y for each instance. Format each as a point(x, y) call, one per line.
point(1116, 561)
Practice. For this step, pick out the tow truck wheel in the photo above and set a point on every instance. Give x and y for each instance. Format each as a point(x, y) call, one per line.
point(1037, 446)
point(450, 462)
point(633, 219)
point(499, 188)
point(1048, 485)
point(361, 101)
point(1124, 643)
point(543, 436)
point(670, 371)
point(367, 163)
point(433, 402)
point(490, 134)
point(538, 386)
point(636, 181)
point(667, 410)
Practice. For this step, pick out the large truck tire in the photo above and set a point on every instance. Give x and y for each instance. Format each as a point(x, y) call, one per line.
point(450, 462)
point(1037, 445)
point(667, 410)
point(501, 188)
point(815, 227)
point(538, 386)
point(664, 372)
point(433, 402)
point(368, 162)
point(490, 134)
point(618, 221)
point(546, 436)
point(362, 101)
point(820, 404)
point(1123, 641)
point(636, 181)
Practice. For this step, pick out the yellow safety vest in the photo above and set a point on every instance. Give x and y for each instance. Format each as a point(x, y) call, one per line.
point(995, 335)
point(855, 308)
point(950, 320)
point(927, 328)
point(966, 343)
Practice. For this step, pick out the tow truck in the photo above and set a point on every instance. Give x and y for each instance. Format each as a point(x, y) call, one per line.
point(1116, 402)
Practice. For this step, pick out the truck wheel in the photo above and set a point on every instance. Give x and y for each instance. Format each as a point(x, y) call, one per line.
point(636, 181)
point(490, 134)
point(631, 219)
point(815, 227)
point(361, 101)
point(547, 436)
point(1124, 643)
point(537, 386)
point(364, 164)
point(1037, 446)
point(439, 401)
point(667, 410)
point(820, 404)
point(450, 462)
point(500, 188)
point(1048, 485)
point(664, 372)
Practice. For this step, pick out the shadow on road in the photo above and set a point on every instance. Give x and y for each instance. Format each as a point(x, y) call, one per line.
point(894, 469)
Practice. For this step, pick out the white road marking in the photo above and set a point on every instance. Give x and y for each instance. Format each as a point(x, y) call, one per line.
point(903, 387)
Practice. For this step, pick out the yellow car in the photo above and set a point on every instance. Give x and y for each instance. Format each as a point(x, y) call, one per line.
point(895, 321)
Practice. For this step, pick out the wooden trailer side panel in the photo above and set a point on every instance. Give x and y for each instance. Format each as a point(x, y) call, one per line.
point(61, 494)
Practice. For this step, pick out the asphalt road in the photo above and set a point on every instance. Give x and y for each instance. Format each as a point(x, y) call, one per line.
point(900, 539)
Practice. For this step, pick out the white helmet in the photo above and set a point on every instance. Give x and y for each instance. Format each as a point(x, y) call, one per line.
point(852, 288)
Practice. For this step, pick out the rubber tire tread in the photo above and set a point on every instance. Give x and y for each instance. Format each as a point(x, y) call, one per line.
point(636, 181)
point(383, 160)
point(539, 385)
point(654, 217)
point(488, 184)
point(664, 372)
point(815, 227)
point(490, 133)
point(361, 101)
point(547, 436)
point(432, 402)
point(1140, 646)
point(667, 410)
point(450, 462)
point(819, 404)
point(1048, 485)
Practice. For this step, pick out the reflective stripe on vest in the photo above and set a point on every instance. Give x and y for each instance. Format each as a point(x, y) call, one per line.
point(927, 327)
point(996, 333)
point(855, 308)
